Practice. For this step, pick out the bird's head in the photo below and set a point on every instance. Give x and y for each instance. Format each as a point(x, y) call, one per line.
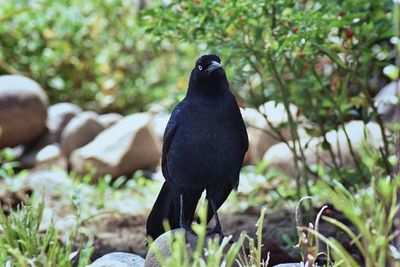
point(208, 74)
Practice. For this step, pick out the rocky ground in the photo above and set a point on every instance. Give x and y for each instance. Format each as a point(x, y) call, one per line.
point(68, 151)
point(64, 135)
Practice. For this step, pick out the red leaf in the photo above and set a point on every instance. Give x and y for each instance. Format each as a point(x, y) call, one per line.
point(348, 33)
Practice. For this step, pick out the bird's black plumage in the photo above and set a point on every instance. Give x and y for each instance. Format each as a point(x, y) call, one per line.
point(204, 145)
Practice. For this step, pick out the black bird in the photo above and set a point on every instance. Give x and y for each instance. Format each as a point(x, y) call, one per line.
point(204, 145)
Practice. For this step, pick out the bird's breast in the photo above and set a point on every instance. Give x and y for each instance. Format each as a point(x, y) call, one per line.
point(204, 149)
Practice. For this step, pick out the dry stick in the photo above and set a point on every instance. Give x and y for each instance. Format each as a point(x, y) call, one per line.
point(8, 68)
point(293, 128)
point(339, 150)
point(396, 23)
point(292, 149)
point(264, 131)
point(281, 138)
point(341, 121)
point(385, 153)
point(397, 172)
point(353, 155)
point(344, 129)
point(320, 123)
point(314, 71)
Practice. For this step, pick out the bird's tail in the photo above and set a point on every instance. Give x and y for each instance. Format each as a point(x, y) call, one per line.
point(165, 208)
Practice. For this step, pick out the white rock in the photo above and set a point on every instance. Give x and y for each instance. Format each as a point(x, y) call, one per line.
point(258, 129)
point(109, 119)
point(82, 129)
point(162, 245)
point(280, 157)
point(58, 117)
point(292, 265)
point(127, 146)
point(48, 153)
point(49, 182)
point(159, 122)
point(118, 259)
point(387, 102)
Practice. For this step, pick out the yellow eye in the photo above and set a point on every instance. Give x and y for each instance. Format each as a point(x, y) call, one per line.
point(200, 67)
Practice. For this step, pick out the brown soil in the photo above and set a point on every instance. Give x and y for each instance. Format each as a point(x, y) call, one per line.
point(9, 200)
point(127, 233)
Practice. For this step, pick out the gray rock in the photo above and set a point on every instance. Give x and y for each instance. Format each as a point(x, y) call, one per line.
point(162, 246)
point(292, 265)
point(50, 156)
point(23, 110)
point(118, 259)
point(259, 140)
point(58, 117)
point(82, 129)
point(27, 159)
point(109, 119)
point(280, 157)
point(387, 102)
point(159, 122)
point(49, 182)
point(44, 158)
point(127, 146)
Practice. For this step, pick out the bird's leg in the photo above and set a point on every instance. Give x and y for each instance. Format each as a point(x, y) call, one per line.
point(217, 228)
point(182, 222)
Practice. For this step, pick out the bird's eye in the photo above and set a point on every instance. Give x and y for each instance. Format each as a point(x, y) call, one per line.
point(200, 67)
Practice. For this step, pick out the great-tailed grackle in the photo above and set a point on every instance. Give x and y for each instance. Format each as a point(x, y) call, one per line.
point(204, 145)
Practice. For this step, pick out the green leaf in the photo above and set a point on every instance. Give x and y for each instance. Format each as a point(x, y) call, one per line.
point(326, 145)
point(332, 55)
point(392, 72)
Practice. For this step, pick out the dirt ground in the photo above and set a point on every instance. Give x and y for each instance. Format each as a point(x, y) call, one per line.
point(127, 233)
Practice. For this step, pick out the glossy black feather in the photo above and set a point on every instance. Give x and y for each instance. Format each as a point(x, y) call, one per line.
point(204, 145)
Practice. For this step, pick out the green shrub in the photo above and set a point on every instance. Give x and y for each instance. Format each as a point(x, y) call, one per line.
point(93, 53)
point(326, 57)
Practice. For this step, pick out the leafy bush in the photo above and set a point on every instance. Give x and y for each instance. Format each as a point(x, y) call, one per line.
point(93, 53)
point(326, 57)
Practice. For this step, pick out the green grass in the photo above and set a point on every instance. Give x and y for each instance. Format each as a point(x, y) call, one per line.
point(211, 252)
point(22, 245)
point(372, 210)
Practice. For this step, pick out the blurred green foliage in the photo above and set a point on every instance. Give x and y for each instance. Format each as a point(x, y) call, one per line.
point(326, 57)
point(320, 55)
point(93, 53)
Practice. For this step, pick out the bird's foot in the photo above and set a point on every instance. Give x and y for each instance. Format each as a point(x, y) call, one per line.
point(216, 230)
point(187, 228)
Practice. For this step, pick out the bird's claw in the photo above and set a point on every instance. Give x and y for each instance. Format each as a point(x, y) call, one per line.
point(187, 228)
point(216, 230)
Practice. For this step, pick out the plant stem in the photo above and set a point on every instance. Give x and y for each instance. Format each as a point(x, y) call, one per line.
point(293, 127)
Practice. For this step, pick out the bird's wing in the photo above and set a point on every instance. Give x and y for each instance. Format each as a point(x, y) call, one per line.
point(169, 134)
point(244, 142)
point(245, 139)
point(243, 132)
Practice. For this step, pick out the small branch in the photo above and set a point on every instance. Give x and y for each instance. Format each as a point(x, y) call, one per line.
point(8, 68)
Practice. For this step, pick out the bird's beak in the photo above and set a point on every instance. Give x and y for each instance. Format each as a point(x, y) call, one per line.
point(213, 67)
